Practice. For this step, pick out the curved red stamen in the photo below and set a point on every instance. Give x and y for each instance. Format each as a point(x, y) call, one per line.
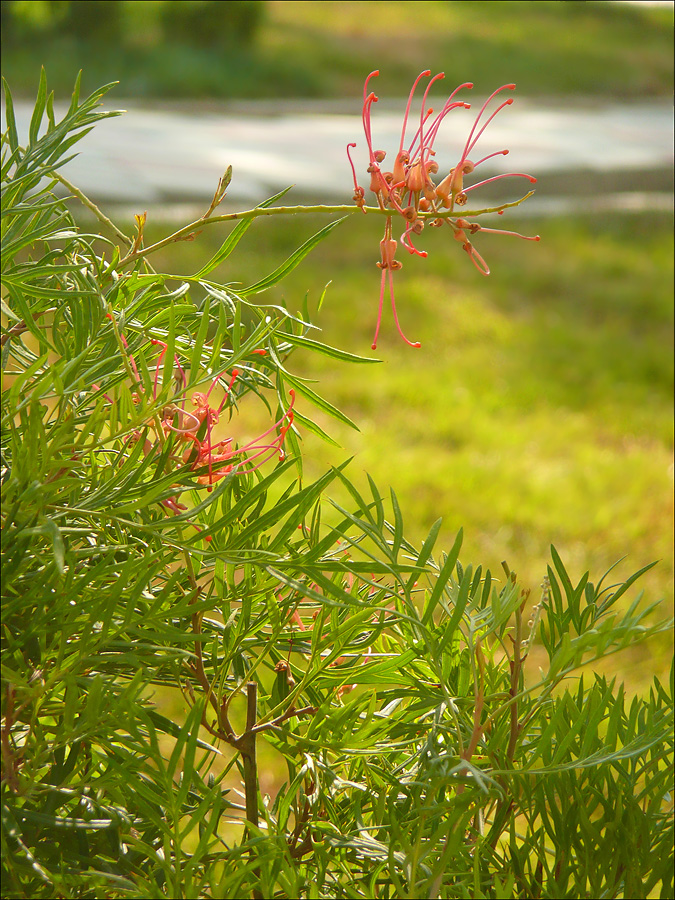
point(406, 240)
point(357, 187)
point(489, 156)
point(524, 237)
point(228, 390)
point(436, 124)
point(469, 144)
point(422, 75)
point(373, 74)
point(530, 178)
point(185, 429)
point(415, 344)
point(425, 115)
point(420, 134)
point(490, 118)
point(449, 105)
point(214, 454)
point(373, 346)
point(276, 445)
point(476, 259)
point(368, 100)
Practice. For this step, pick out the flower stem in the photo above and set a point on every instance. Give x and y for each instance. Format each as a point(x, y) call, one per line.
point(187, 230)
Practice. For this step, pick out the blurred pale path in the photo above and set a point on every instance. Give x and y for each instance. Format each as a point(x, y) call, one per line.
point(151, 157)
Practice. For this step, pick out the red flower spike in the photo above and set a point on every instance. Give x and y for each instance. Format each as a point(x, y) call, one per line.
point(409, 190)
point(222, 453)
point(197, 453)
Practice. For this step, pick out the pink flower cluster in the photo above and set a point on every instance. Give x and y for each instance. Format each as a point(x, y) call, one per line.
point(192, 430)
point(408, 190)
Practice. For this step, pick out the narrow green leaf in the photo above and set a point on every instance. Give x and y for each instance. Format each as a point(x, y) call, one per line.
point(389, 671)
point(75, 99)
point(299, 340)
point(377, 504)
point(202, 331)
point(427, 548)
point(323, 296)
point(239, 510)
point(44, 820)
point(38, 111)
point(12, 133)
point(309, 425)
point(51, 529)
point(293, 260)
point(398, 524)
point(235, 236)
point(186, 745)
point(270, 518)
point(319, 401)
point(170, 352)
point(50, 111)
point(6, 311)
point(441, 582)
point(621, 590)
point(236, 328)
point(363, 506)
point(458, 611)
point(573, 729)
point(560, 568)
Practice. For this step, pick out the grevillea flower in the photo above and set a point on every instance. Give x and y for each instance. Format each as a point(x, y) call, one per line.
point(192, 431)
point(195, 429)
point(409, 189)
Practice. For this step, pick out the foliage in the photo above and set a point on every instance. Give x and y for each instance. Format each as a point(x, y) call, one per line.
point(423, 757)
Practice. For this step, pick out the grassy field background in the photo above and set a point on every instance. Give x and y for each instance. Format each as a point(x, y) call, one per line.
point(325, 49)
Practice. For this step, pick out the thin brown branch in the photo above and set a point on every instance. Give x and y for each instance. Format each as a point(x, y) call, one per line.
point(289, 714)
point(247, 748)
point(21, 326)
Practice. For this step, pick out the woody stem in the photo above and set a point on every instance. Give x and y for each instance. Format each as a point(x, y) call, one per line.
point(247, 746)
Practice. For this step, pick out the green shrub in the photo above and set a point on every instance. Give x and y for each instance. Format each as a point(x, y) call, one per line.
point(421, 753)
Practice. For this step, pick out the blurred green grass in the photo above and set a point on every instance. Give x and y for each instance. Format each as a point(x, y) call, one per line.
point(325, 49)
point(539, 409)
point(545, 47)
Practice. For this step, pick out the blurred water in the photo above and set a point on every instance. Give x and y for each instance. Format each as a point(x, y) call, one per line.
point(580, 152)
